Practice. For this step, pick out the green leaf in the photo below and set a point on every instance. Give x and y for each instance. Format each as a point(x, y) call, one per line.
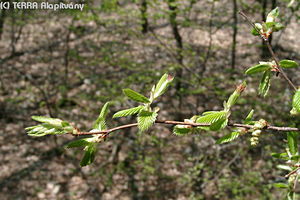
point(265, 83)
point(235, 95)
point(146, 119)
point(135, 96)
point(209, 112)
point(258, 68)
point(214, 120)
point(259, 27)
point(53, 121)
point(249, 117)
point(47, 129)
point(179, 131)
point(232, 99)
point(296, 100)
point(65, 124)
point(100, 122)
point(272, 15)
point(89, 155)
point(162, 85)
point(219, 124)
point(36, 131)
point(294, 112)
point(295, 158)
point(264, 27)
point(292, 138)
point(270, 24)
point(290, 195)
point(281, 185)
point(127, 112)
point(228, 138)
point(254, 32)
point(78, 143)
point(211, 118)
point(284, 167)
point(279, 155)
point(277, 27)
point(288, 63)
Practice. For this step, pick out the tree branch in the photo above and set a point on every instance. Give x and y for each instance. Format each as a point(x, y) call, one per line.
point(266, 40)
point(106, 132)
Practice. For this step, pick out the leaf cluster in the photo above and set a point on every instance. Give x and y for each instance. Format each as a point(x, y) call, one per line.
point(49, 126)
point(269, 26)
point(146, 116)
point(267, 68)
point(90, 144)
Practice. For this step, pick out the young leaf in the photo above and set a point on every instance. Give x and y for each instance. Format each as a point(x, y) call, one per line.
point(272, 15)
point(211, 118)
point(277, 27)
point(235, 95)
point(296, 100)
point(292, 138)
point(259, 27)
point(265, 27)
point(270, 24)
point(53, 121)
point(48, 129)
point(78, 143)
point(288, 63)
point(249, 117)
point(279, 155)
point(162, 85)
point(284, 167)
point(179, 131)
point(258, 68)
point(290, 195)
point(281, 185)
point(294, 112)
point(295, 158)
point(228, 138)
point(219, 124)
point(136, 96)
point(215, 117)
point(254, 32)
point(146, 119)
point(36, 131)
point(127, 112)
point(265, 83)
point(209, 112)
point(89, 155)
point(100, 122)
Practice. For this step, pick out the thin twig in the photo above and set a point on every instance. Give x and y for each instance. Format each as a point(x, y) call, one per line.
point(279, 68)
point(253, 25)
point(266, 40)
point(292, 172)
point(108, 131)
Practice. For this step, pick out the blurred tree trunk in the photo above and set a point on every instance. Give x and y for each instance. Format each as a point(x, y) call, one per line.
point(235, 21)
point(210, 29)
point(179, 72)
point(144, 17)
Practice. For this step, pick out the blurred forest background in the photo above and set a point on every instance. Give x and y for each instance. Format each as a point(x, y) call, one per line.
point(68, 63)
